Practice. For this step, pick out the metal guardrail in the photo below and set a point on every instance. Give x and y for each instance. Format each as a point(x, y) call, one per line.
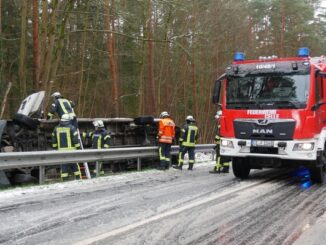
point(12, 160)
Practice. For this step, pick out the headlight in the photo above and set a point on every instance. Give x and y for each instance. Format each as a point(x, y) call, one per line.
point(304, 146)
point(227, 143)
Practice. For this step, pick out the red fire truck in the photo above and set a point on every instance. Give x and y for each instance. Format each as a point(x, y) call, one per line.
point(273, 113)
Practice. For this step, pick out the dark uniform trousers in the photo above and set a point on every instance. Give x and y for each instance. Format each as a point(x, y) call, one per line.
point(222, 162)
point(165, 155)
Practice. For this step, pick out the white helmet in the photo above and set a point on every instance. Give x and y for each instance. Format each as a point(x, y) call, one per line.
point(56, 94)
point(164, 114)
point(218, 115)
point(66, 118)
point(190, 118)
point(98, 123)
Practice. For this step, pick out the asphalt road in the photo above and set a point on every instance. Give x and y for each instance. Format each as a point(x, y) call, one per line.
point(170, 207)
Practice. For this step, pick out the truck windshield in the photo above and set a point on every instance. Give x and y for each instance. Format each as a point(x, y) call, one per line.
point(267, 91)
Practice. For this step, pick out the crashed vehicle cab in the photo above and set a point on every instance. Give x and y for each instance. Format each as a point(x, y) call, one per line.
point(28, 131)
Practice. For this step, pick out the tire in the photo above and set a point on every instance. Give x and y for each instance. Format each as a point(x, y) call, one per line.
point(317, 174)
point(26, 121)
point(241, 167)
point(144, 120)
point(21, 178)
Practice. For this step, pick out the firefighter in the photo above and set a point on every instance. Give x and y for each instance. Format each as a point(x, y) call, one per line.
point(62, 106)
point(100, 140)
point(166, 136)
point(187, 141)
point(65, 137)
point(222, 162)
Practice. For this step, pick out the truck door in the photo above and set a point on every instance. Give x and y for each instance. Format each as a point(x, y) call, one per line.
point(321, 101)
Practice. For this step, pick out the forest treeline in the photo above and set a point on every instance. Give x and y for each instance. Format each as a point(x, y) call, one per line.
point(125, 58)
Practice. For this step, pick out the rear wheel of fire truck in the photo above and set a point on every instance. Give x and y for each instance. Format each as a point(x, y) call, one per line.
point(241, 167)
point(317, 174)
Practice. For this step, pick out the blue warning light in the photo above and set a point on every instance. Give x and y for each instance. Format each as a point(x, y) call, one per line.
point(303, 52)
point(239, 56)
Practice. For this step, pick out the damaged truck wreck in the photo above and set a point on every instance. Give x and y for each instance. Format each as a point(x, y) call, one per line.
point(28, 131)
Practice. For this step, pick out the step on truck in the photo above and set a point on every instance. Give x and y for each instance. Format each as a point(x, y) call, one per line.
point(273, 113)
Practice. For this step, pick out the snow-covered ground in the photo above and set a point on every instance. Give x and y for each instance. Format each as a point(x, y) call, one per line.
point(163, 207)
point(202, 160)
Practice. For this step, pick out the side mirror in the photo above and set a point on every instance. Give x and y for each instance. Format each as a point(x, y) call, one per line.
point(217, 89)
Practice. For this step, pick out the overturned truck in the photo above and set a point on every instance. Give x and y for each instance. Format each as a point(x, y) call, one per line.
point(28, 131)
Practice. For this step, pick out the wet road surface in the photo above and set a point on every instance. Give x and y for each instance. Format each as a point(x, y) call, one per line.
point(170, 207)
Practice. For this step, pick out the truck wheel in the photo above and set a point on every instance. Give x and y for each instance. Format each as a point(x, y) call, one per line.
point(26, 121)
point(22, 178)
point(317, 174)
point(241, 167)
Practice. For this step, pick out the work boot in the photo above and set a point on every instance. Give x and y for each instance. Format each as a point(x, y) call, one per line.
point(167, 165)
point(225, 170)
point(215, 171)
point(161, 166)
point(178, 167)
point(190, 166)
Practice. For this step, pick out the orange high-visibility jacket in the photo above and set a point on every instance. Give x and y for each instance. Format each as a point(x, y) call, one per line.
point(166, 130)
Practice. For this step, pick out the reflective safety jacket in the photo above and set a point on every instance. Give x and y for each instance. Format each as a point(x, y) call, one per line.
point(65, 137)
point(61, 106)
point(166, 131)
point(100, 139)
point(189, 135)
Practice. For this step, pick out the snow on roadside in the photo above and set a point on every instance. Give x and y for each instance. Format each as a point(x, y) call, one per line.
point(202, 160)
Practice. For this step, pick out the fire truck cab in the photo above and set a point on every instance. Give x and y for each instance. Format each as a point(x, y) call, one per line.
point(274, 113)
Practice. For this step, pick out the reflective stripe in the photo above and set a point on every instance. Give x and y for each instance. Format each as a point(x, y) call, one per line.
point(64, 139)
point(218, 164)
point(162, 158)
point(191, 136)
point(63, 175)
point(63, 103)
point(180, 160)
point(166, 139)
point(78, 170)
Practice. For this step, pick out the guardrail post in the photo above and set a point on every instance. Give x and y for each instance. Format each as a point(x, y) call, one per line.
point(97, 166)
point(41, 174)
point(138, 164)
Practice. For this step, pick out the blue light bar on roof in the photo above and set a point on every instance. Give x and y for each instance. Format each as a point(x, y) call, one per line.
point(303, 52)
point(239, 56)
